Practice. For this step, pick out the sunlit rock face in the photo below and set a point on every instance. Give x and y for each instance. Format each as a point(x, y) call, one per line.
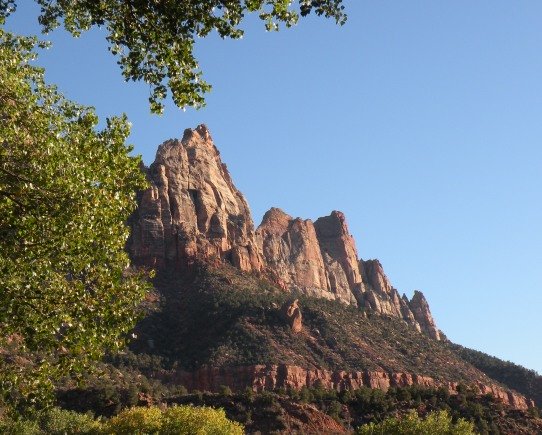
point(192, 209)
point(272, 376)
point(292, 254)
point(382, 297)
point(192, 212)
point(314, 258)
point(420, 308)
point(340, 256)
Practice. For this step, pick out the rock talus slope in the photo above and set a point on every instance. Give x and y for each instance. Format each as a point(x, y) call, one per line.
point(193, 211)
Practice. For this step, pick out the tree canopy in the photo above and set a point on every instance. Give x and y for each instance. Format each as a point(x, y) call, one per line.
point(435, 423)
point(66, 190)
point(154, 39)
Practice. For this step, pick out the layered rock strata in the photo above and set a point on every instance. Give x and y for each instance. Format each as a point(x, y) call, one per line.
point(271, 377)
point(192, 211)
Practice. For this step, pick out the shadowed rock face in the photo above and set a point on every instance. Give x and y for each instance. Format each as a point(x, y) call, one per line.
point(193, 211)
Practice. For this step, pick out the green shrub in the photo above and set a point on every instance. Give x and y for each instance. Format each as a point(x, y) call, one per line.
point(23, 427)
point(224, 390)
point(249, 394)
point(534, 412)
point(58, 421)
point(436, 423)
point(180, 390)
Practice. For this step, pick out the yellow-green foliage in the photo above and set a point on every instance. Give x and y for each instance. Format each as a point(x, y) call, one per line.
point(56, 421)
point(436, 423)
point(136, 421)
point(178, 420)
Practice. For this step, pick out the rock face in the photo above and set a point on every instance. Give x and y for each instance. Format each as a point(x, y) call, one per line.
point(192, 211)
point(340, 256)
point(383, 298)
point(307, 257)
point(420, 308)
point(271, 377)
point(292, 314)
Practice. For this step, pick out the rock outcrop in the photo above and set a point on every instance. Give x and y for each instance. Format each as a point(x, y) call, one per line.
point(292, 254)
point(340, 255)
point(383, 298)
point(270, 377)
point(292, 314)
point(317, 259)
point(192, 211)
point(420, 308)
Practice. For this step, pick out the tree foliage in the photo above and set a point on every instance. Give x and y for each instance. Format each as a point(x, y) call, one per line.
point(436, 423)
point(66, 190)
point(177, 420)
point(154, 39)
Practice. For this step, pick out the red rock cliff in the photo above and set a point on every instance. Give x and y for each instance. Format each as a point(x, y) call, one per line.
point(192, 211)
point(270, 377)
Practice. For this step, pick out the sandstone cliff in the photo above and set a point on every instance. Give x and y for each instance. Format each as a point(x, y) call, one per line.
point(271, 377)
point(192, 211)
point(383, 298)
point(317, 259)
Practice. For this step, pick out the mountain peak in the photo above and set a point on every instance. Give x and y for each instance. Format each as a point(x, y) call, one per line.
point(201, 131)
point(193, 212)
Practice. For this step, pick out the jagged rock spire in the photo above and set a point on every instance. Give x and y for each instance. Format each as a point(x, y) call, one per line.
point(192, 209)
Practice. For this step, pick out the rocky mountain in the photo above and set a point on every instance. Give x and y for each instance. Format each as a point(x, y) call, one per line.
point(193, 212)
point(286, 306)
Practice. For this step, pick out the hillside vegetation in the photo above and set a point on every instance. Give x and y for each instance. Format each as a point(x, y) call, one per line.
point(526, 381)
point(222, 317)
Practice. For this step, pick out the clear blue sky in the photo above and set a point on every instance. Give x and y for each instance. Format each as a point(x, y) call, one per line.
point(421, 120)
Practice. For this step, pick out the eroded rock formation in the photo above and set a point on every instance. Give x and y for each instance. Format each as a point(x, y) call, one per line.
point(308, 256)
point(193, 211)
point(270, 377)
point(292, 314)
point(382, 297)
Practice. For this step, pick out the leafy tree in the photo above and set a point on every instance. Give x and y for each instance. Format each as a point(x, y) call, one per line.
point(177, 420)
point(56, 421)
point(66, 190)
point(154, 39)
point(436, 423)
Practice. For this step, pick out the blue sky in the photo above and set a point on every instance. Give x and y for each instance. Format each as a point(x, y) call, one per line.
point(420, 120)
